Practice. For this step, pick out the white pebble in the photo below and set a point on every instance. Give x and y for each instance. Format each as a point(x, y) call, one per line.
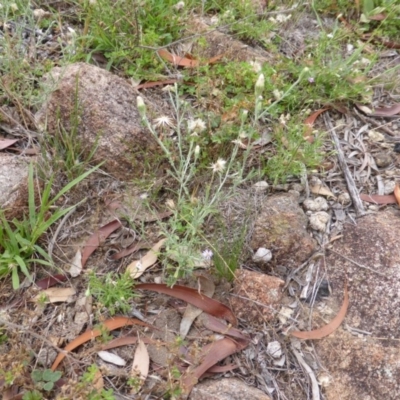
point(389, 187)
point(274, 349)
point(261, 186)
point(319, 220)
point(111, 358)
point(317, 204)
point(262, 255)
point(344, 198)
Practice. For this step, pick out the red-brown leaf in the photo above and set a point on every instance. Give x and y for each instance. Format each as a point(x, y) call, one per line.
point(219, 326)
point(185, 61)
point(126, 340)
point(52, 280)
point(329, 328)
point(147, 85)
point(94, 241)
point(30, 152)
point(4, 143)
point(211, 354)
point(192, 296)
point(110, 324)
point(397, 193)
point(176, 60)
point(377, 17)
point(378, 199)
point(309, 123)
point(131, 249)
point(386, 111)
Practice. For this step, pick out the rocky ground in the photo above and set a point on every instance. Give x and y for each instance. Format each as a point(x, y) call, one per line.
point(308, 240)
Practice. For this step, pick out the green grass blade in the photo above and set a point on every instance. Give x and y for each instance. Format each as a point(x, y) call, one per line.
point(10, 235)
point(42, 262)
point(73, 183)
point(31, 196)
point(39, 230)
point(15, 278)
point(22, 266)
point(42, 252)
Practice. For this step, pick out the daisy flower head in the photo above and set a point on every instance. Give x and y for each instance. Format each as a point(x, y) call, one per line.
point(218, 166)
point(163, 122)
point(196, 125)
point(207, 254)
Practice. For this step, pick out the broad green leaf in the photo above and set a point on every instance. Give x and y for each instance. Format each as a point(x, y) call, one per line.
point(48, 386)
point(368, 6)
point(50, 376)
point(37, 375)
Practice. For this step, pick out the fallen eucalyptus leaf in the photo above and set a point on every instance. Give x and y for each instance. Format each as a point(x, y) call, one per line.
point(137, 268)
point(111, 358)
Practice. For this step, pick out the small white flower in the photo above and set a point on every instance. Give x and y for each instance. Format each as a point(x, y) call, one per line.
point(256, 66)
point(207, 254)
point(197, 151)
point(178, 6)
point(196, 125)
point(39, 13)
point(169, 88)
point(239, 143)
point(329, 35)
point(219, 166)
point(214, 20)
point(170, 204)
point(163, 122)
point(277, 94)
point(283, 18)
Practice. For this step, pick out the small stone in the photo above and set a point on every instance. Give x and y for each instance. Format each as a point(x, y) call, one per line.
point(274, 349)
point(376, 136)
point(281, 187)
point(280, 226)
point(284, 314)
point(389, 187)
point(252, 289)
point(383, 159)
point(317, 204)
point(226, 389)
point(319, 220)
point(46, 356)
point(261, 186)
point(298, 187)
point(344, 198)
point(262, 255)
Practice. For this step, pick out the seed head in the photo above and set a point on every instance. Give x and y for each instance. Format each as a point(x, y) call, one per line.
point(219, 166)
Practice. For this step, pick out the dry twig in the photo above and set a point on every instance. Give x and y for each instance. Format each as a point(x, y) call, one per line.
point(357, 203)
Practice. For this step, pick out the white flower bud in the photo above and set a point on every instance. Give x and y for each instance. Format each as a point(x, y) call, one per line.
point(197, 151)
point(141, 106)
point(260, 85)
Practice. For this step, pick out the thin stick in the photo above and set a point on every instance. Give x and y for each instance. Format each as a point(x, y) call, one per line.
point(357, 203)
point(60, 225)
point(314, 383)
point(356, 263)
point(17, 327)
